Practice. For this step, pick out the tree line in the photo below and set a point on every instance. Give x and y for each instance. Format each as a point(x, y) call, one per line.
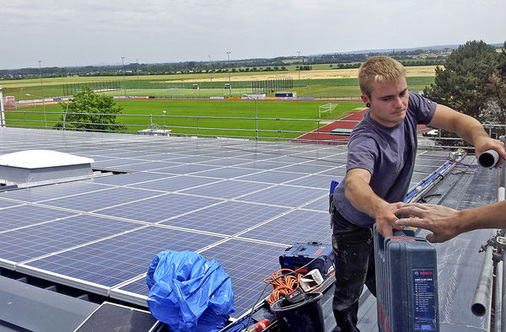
point(339, 60)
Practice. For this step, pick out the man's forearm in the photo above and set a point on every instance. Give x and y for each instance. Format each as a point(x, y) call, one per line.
point(471, 130)
point(488, 216)
point(467, 127)
point(363, 198)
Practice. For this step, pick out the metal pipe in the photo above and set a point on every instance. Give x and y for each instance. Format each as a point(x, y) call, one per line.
point(501, 274)
point(488, 158)
point(503, 297)
point(481, 300)
point(499, 295)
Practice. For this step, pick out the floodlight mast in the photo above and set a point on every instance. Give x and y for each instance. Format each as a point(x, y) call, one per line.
point(298, 52)
point(2, 115)
point(211, 71)
point(229, 85)
point(123, 68)
point(43, 97)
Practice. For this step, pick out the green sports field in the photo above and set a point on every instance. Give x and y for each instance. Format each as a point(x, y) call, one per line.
point(275, 118)
point(232, 118)
point(190, 111)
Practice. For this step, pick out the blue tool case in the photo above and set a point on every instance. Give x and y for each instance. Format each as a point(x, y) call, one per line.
point(406, 283)
point(304, 257)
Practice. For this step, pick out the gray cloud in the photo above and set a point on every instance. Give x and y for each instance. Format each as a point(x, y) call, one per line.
point(70, 32)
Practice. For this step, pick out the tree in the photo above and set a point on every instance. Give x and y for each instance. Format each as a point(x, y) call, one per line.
point(496, 88)
point(466, 83)
point(90, 111)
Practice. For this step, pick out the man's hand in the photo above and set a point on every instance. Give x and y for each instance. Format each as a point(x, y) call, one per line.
point(440, 220)
point(486, 143)
point(385, 217)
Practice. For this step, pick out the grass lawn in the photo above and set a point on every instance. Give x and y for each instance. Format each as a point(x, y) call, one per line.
point(239, 118)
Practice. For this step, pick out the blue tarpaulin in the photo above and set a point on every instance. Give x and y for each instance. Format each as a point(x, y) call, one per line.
point(188, 292)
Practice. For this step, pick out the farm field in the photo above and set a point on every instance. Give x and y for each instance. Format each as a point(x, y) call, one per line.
point(319, 83)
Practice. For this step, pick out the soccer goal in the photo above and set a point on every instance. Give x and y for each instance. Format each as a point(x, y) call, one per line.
point(327, 108)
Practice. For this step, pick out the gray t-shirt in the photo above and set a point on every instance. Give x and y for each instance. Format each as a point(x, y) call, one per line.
point(388, 153)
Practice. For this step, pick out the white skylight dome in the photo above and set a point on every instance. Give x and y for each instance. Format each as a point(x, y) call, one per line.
point(34, 167)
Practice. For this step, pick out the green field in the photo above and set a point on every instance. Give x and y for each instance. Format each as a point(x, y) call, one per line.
point(236, 118)
point(181, 85)
point(325, 88)
point(192, 116)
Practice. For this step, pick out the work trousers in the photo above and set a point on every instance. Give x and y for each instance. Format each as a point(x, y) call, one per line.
point(354, 263)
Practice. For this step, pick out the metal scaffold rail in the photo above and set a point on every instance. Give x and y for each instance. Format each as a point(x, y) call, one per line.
point(501, 293)
point(492, 277)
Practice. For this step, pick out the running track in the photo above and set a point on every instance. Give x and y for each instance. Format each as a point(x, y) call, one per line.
point(324, 135)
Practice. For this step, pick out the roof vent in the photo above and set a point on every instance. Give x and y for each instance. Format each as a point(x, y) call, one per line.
point(38, 167)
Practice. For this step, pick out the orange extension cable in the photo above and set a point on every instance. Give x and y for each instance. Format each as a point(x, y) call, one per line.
point(282, 284)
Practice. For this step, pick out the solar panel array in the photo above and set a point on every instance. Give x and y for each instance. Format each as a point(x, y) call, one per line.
point(239, 202)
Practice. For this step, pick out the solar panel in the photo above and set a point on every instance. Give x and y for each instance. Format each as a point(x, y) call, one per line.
point(320, 204)
point(227, 172)
point(117, 163)
point(131, 178)
point(193, 159)
point(147, 165)
point(24, 215)
point(285, 195)
point(313, 181)
point(31, 242)
point(227, 189)
point(175, 183)
point(306, 169)
point(101, 199)
point(272, 176)
point(247, 264)
point(337, 173)
point(44, 193)
point(156, 209)
point(228, 217)
point(226, 162)
point(138, 286)
point(295, 226)
point(5, 203)
point(113, 260)
point(183, 169)
point(270, 165)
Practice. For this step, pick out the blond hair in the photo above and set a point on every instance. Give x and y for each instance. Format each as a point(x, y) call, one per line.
point(379, 69)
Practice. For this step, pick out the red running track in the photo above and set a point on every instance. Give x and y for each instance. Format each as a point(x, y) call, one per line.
point(324, 135)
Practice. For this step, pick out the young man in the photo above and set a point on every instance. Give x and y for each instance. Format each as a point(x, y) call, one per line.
point(381, 158)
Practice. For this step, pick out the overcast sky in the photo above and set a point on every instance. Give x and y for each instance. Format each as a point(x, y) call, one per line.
point(100, 32)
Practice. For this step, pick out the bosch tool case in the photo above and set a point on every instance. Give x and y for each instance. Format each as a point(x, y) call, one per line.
point(304, 257)
point(406, 283)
